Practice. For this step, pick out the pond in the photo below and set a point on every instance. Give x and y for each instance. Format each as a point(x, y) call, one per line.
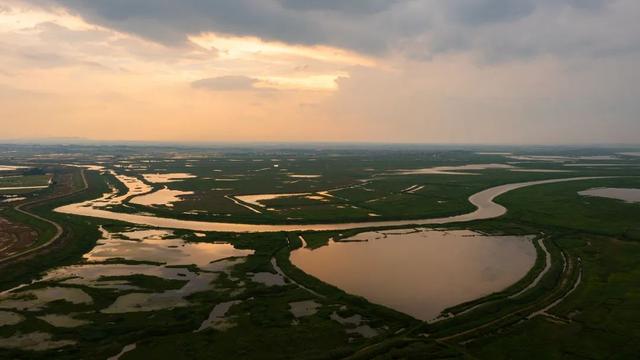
point(625, 194)
point(420, 272)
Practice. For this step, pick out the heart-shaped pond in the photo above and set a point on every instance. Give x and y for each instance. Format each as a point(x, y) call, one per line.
point(420, 272)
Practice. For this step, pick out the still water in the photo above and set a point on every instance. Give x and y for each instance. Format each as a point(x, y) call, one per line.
point(624, 194)
point(420, 272)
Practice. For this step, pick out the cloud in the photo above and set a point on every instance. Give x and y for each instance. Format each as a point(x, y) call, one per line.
point(226, 83)
point(350, 7)
point(422, 28)
point(478, 12)
point(171, 22)
point(327, 82)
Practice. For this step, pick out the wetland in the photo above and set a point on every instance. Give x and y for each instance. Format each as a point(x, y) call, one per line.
point(205, 249)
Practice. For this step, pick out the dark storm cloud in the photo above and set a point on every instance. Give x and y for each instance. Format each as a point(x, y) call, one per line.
point(358, 25)
point(171, 21)
point(477, 12)
point(420, 28)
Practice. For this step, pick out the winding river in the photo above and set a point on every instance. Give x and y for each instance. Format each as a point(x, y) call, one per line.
point(483, 200)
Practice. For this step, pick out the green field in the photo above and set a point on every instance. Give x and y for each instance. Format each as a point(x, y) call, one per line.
point(17, 181)
point(361, 184)
point(24, 180)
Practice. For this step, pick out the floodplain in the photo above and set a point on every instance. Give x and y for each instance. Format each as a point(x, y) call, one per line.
point(347, 250)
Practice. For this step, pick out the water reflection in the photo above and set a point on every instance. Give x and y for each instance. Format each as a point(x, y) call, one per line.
point(163, 197)
point(160, 246)
point(37, 341)
point(121, 263)
point(35, 300)
point(62, 321)
point(422, 272)
point(166, 178)
point(259, 199)
point(217, 318)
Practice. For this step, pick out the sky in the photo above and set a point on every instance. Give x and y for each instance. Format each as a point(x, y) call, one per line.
point(399, 71)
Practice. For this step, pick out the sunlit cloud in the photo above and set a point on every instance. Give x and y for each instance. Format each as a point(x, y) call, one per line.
point(234, 47)
point(15, 16)
point(37, 38)
point(283, 66)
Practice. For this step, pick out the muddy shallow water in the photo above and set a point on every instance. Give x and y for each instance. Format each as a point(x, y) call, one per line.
point(257, 200)
point(163, 197)
point(166, 178)
point(421, 272)
point(625, 194)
